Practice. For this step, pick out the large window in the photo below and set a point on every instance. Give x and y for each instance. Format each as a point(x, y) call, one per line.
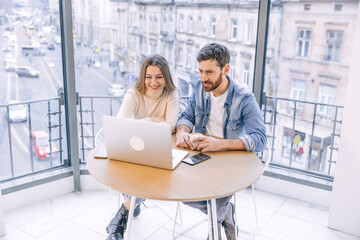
point(307, 61)
point(32, 113)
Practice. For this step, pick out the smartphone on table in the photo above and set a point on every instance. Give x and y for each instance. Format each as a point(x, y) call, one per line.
point(197, 158)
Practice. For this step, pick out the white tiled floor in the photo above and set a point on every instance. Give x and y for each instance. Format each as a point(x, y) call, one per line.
point(84, 216)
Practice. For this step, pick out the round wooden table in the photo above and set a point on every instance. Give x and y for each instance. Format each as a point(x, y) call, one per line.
point(225, 173)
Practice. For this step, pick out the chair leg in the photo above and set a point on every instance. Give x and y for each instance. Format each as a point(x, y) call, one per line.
point(253, 194)
point(119, 199)
point(236, 219)
point(253, 235)
point(178, 210)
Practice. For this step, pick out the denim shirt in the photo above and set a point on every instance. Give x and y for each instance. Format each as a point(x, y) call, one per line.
point(242, 118)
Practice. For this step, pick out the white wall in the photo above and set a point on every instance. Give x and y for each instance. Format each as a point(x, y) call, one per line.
point(345, 204)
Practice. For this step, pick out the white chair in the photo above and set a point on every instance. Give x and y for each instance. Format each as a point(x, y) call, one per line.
point(99, 138)
point(268, 156)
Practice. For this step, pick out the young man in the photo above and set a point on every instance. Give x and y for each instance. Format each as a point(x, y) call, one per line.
point(220, 108)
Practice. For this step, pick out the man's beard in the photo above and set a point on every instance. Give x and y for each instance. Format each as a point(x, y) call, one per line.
point(213, 86)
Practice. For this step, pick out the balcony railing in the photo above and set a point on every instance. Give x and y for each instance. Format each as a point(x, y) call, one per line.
point(303, 135)
point(31, 139)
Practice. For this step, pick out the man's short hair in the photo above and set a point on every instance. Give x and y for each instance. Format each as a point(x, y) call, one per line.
point(214, 51)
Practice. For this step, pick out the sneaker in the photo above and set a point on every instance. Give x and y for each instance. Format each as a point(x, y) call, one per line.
point(117, 217)
point(229, 223)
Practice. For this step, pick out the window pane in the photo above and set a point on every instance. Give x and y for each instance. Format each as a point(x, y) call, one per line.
point(32, 126)
point(316, 51)
point(125, 32)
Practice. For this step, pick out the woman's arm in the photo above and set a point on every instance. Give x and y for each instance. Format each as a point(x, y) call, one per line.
point(172, 109)
point(128, 105)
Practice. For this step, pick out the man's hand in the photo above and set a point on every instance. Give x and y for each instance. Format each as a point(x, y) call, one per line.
point(207, 144)
point(183, 139)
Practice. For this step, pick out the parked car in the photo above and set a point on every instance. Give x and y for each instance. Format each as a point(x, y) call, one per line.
point(27, 72)
point(17, 112)
point(116, 90)
point(41, 145)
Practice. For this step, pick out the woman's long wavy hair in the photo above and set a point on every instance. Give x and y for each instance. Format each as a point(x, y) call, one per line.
point(155, 60)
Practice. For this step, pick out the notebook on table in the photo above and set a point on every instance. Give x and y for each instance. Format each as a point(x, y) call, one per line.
point(141, 142)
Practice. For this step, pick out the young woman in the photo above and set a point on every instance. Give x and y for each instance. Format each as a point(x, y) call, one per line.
point(154, 98)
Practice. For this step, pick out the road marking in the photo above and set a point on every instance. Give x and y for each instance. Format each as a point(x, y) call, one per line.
point(48, 75)
point(8, 90)
point(101, 76)
point(19, 139)
point(17, 88)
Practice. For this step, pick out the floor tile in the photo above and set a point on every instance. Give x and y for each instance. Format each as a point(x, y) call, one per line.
point(283, 227)
point(42, 217)
point(13, 233)
point(85, 215)
point(305, 211)
point(71, 231)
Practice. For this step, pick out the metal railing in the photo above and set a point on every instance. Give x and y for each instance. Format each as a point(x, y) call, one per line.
point(302, 135)
point(30, 138)
point(306, 130)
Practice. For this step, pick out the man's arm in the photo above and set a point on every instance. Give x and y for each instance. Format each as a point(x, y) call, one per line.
point(210, 144)
point(183, 136)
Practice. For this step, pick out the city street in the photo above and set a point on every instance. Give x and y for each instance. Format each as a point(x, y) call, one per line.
point(90, 81)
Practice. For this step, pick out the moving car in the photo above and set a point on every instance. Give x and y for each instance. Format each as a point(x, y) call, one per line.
point(51, 46)
point(41, 145)
point(116, 90)
point(17, 112)
point(10, 65)
point(27, 72)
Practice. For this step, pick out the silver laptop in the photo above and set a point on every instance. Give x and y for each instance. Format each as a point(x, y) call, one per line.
point(140, 142)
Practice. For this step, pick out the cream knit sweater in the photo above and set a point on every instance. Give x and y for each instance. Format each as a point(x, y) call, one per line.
point(159, 108)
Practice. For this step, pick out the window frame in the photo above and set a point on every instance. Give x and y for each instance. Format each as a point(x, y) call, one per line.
point(303, 41)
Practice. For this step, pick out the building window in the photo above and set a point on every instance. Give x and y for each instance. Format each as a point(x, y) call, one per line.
point(333, 45)
point(188, 58)
point(232, 69)
point(307, 7)
point(184, 87)
point(298, 92)
point(212, 27)
point(248, 31)
point(199, 24)
point(190, 24)
point(246, 73)
point(155, 24)
point(181, 23)
point(327, 95)
point(233, 29)
point(338, 8)
point(303, 43)
point(180, 56)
